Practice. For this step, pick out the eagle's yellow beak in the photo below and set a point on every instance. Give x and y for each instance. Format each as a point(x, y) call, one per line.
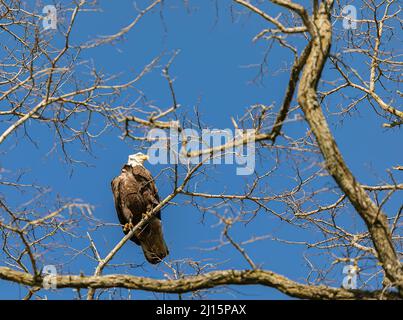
point(145, 157)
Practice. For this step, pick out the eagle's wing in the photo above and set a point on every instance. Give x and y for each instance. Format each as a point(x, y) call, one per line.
point(115, 183)
point(151, 237)
point(148, 189)
point(121, 193)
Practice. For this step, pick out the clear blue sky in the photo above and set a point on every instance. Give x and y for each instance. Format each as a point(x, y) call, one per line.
point(211, 68)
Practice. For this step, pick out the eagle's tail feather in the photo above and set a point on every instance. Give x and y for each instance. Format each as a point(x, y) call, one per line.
point(153, 243)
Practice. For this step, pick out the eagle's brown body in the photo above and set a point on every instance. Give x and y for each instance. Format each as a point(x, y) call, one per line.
point(135, 193)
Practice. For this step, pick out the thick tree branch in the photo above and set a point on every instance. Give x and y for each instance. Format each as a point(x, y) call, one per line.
point(191, 284)
point(373, 216)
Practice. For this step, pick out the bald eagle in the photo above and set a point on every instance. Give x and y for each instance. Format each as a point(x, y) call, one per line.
point(135, 193)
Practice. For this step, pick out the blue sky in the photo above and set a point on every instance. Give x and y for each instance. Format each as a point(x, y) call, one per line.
point(210, 71)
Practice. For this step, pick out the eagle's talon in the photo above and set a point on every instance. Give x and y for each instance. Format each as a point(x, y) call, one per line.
point(128, 226)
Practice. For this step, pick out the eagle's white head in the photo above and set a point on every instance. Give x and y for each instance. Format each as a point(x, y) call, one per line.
point(137, 159)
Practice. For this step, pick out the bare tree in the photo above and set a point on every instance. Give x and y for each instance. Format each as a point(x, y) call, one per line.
point(55, 88)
